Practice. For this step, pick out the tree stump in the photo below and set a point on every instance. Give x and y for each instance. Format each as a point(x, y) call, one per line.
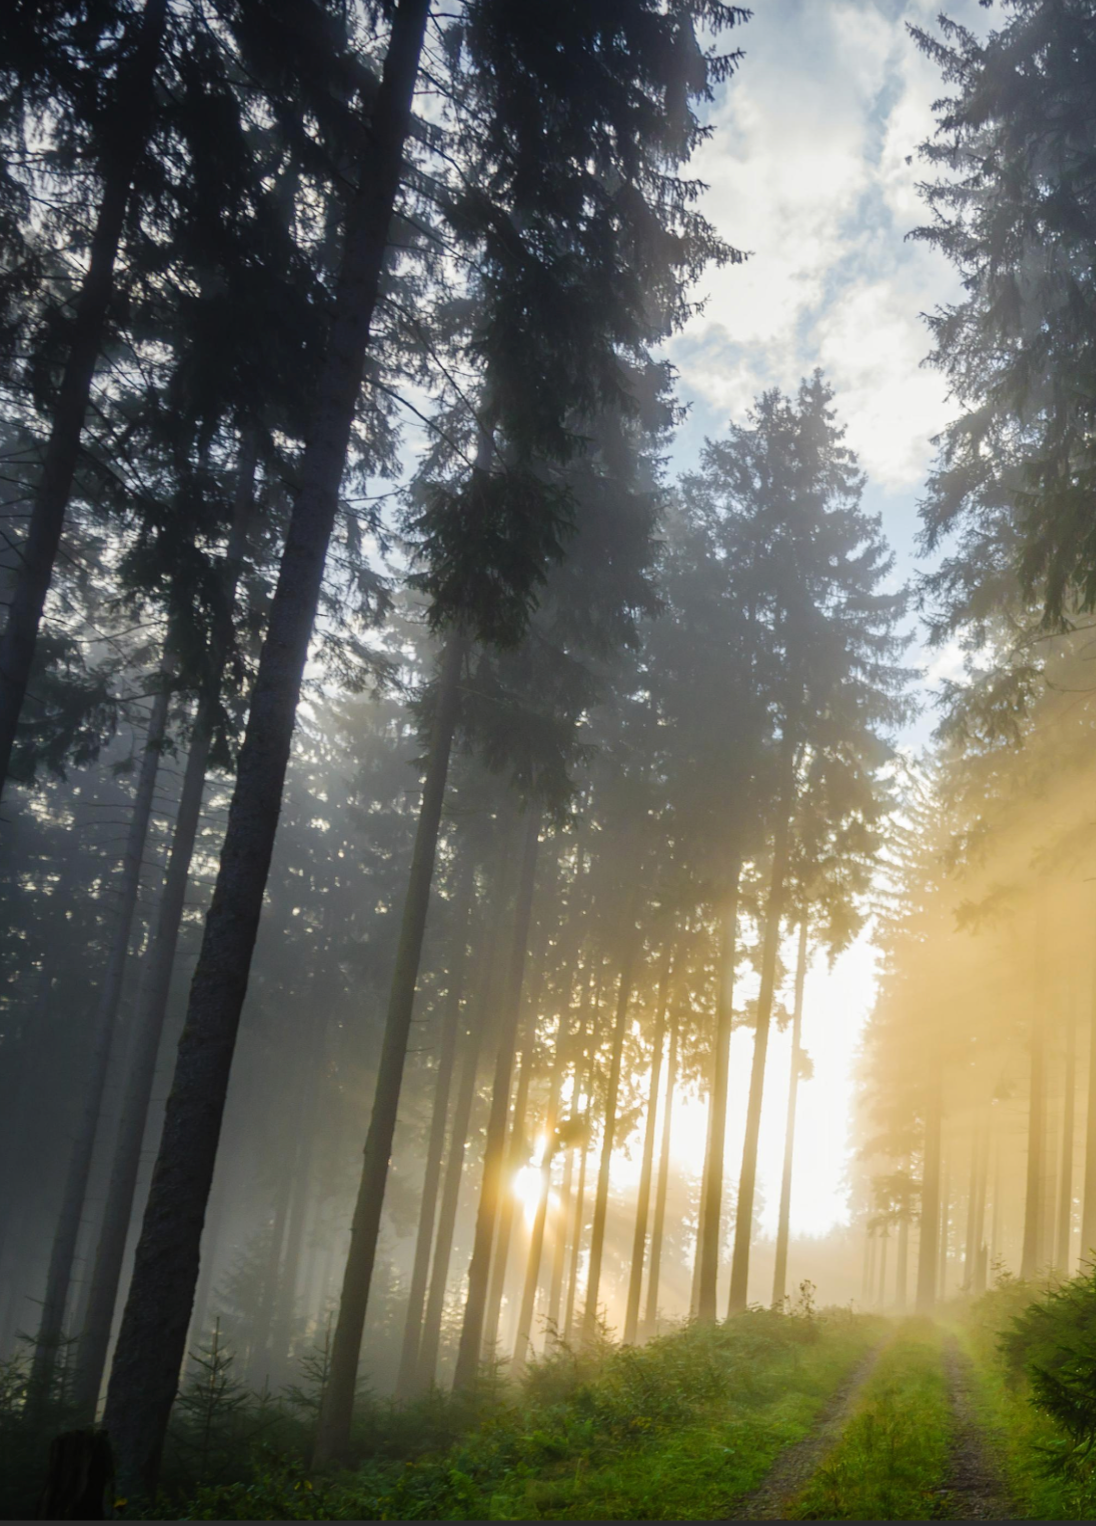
point(79, 1478)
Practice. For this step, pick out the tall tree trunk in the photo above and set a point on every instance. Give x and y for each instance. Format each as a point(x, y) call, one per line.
point(882, 1299)
point(482, 1019)
point(156, 984)
point(780, 1273)
point(336, 1411)
point(712, 1217)
point(1031, 1258)
point(412, 1330)
point(1064, 1243)
point(151, 1341)
point(559, 1250)
point(930, 1197)
point(491, 1187)
point(902, 1272)
point(639, 1239)
point(743, 1226)
point(979, 1283)
point(1088, 1201)
point(258, 1373)
point(608, 1137)
point(286, 1303)
point(650, 1323)
point(515, 1159)
point(104, 1024)
point(536, 1239)
point(126, 132)
point(945, 1233)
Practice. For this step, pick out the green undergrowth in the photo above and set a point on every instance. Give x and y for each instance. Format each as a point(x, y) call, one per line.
point(676, 1429)
point(1018, 1336)
point(892, 1455)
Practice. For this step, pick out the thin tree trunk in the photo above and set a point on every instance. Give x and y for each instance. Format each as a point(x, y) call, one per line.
point(156, 984)
point(702, 1211)
point(104, 1024)
point(491, 1188)
point(264, 1317)
point(1031, 1257)
point(1065, 1182)
point(970, 1251)
point(282, 1333)
point(930, 1199)
point(127, 130)
point(1088, 1202)
point(412, 1330)
point(743, 1227)
point(515, 1160)
point(482, 1019)
point(559, 1249)
point(780, 1273)
point(945, 1233)
point(651, 1321)
point(608, 1137)
point(333, 1425)
point(536, 1241)
point(151, 1341)
point(639, 1239)
point(902, 1273)
point(883, 1270)
point(712, 1218)
point(579, 1212)
point(980, 1261)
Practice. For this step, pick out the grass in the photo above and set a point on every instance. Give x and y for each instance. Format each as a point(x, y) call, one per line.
point(892, 1456)
point(674, 1430)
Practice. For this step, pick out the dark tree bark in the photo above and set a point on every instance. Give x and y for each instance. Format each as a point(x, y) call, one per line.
point(540, 1218)
point(712, 1217)
point(780, 1273)
point(601, 1201)
point(650, 1322)
point(639, 1238)
point(412, 1330)
point(559, 1249)
point(930, 1197)
point(333, 1428)
point(743, 1227)
point(1064, 1238)
point(475, 1309)
point(125, 135)
point(156, 985)
point(104, 1026)
point(151, 1342)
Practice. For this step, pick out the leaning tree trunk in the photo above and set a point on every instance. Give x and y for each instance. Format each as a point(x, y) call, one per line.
point(601, 1200)
point(104, 1024)
point(125, 134)
point(483, 1017)
point(156, 985)
point(151, 1342)
point(491, 1187)
point(711, 1220)
point(412, 1330)
point(1065, 1181)
point(650, 1322)
point(780, 1273)
point(743, 1226)
point(930, 1195)
point(333, 1427)
point(639, 1238)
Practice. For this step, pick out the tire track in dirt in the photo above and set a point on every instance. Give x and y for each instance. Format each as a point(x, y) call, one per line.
point(974, 1488)
point(792, 1469)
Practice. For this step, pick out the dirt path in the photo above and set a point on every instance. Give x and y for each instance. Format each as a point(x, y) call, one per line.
point(794, 1466)
point(974, 1487)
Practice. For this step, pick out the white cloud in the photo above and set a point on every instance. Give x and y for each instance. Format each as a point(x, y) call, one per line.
point(807, 169)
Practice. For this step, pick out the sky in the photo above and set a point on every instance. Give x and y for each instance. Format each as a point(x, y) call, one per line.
point(808, 169)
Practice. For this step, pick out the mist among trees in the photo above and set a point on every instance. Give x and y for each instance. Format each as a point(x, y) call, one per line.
point(432, 792)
